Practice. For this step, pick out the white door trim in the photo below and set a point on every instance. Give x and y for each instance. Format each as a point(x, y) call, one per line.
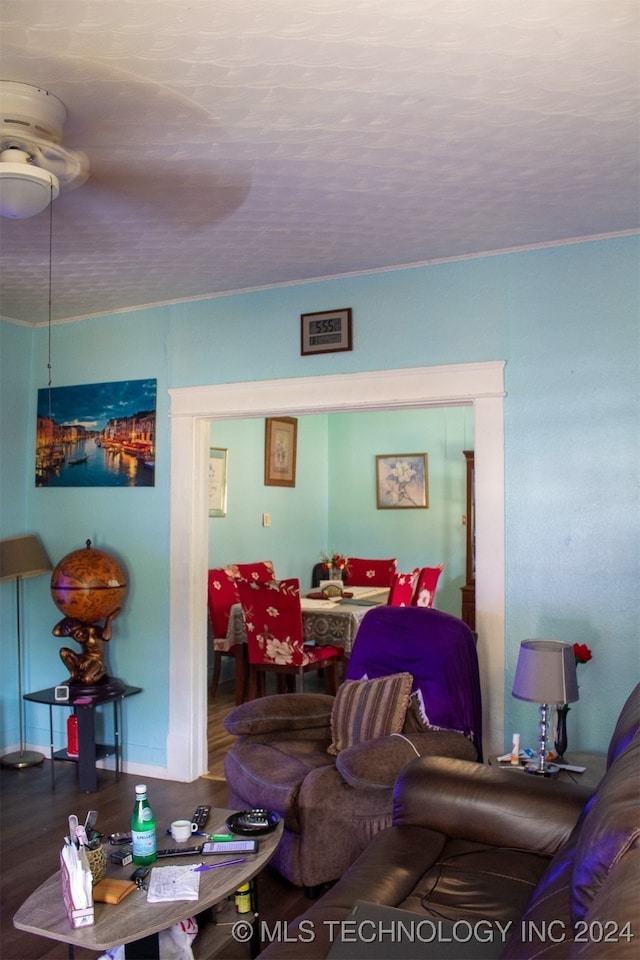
point(192, 409)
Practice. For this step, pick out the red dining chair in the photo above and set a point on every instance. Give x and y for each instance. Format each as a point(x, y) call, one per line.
point(426, 586)
point(255, 572)
point(275, 640)
point(370, 573)
point(221, 595)
point(402, 589)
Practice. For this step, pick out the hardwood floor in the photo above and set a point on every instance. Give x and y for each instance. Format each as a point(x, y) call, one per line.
point(33, 822)
point(218, 740)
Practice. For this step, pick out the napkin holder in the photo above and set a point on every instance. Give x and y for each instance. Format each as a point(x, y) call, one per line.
point(75, 884)
point(330, 589)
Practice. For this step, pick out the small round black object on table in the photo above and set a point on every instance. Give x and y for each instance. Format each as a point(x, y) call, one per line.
point(253, 823)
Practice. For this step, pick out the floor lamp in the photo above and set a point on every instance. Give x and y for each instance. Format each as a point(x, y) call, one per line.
point(22, 557)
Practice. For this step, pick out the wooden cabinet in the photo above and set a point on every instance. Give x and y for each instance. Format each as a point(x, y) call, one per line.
point(469, 588)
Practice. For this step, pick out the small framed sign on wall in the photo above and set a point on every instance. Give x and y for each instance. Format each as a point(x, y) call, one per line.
point(281, 439)
point(328, 332)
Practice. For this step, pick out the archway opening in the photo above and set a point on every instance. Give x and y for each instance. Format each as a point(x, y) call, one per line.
point(192, 410)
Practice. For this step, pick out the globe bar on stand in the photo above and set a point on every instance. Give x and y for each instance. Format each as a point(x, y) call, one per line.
point(87, 586)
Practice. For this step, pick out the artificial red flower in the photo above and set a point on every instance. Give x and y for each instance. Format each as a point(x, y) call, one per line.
point(582, 653)
point(335, 560)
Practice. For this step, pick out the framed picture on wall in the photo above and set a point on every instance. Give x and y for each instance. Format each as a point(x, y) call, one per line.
point(281, 437)
point(402, 481)
point(81, 443)
point(217, 482)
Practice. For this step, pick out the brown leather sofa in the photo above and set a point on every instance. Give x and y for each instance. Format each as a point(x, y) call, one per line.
point(556, 867)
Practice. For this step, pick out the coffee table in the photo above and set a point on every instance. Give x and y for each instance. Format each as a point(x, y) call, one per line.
point(135, 922)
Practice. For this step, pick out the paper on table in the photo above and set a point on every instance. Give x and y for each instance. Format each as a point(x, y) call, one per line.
point(361, 593)
point(173, 883)
point(307, 604)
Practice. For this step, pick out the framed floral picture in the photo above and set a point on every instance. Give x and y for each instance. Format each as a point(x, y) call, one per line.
point(402, 481)
point(281, 436)
point(217, 482)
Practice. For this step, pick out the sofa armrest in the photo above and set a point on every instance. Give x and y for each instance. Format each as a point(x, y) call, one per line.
point(281, 713)
point(505, 808)
point(378, 763)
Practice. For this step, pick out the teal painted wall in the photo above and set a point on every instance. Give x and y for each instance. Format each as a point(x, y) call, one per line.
point(298, 514)
point(418, 538)
point(565, 320)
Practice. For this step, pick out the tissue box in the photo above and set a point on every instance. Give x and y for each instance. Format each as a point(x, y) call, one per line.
point(80, 914)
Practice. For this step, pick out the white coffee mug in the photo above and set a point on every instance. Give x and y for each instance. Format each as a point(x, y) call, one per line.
point(181, 830)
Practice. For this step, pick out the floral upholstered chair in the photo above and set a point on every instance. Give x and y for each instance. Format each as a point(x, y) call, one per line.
point(259, 572)
point(370, 573)
point(426, 585)
point(222, 593)
point(275, 640)
point(403, 587)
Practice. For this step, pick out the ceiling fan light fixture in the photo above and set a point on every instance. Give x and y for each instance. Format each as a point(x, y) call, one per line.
point(25, 189)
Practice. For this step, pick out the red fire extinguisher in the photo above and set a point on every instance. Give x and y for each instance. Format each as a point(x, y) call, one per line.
point(72, 735)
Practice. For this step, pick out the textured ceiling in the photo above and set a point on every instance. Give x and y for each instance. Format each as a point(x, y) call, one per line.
point(236, 144)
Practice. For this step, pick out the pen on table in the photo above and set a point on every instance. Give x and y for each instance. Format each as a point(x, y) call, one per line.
point(220, 836)
point(212, 866)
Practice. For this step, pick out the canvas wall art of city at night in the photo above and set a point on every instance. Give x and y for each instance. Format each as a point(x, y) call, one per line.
point(97, 435)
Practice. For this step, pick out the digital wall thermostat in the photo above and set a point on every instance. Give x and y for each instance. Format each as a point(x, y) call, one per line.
point(325, 332)
point(61, 693)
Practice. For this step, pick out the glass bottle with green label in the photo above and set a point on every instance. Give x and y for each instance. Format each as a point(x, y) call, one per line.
point(143, 828)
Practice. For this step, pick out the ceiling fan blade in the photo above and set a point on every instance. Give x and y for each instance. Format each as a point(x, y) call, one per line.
point(184, 195)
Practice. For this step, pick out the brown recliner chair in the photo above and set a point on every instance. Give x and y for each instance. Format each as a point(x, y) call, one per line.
point(333, 805)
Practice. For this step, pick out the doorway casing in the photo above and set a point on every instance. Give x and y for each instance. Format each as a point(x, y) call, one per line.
point(192, 410)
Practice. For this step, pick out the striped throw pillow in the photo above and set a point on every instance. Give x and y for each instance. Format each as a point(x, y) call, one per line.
point(366, 709)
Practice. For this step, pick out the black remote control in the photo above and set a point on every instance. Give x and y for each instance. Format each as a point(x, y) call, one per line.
point(201, 815)
point(179, 852)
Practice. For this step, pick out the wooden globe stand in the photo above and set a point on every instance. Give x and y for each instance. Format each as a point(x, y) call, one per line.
point(88, 586)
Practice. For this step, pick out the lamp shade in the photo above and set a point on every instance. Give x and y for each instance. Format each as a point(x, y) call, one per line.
point(546, 672)
point(23, 557)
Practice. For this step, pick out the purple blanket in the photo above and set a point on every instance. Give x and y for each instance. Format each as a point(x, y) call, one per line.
point(437, 649)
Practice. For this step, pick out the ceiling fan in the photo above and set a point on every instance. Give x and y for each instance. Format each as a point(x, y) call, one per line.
point(187, 180)
point(34, 166)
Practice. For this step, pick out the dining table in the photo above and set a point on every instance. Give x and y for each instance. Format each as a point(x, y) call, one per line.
point(324, 621)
